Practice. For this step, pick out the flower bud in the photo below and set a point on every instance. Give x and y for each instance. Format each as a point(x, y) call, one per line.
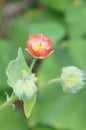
point(25, 89)
point(39, 45)
point(72, 79)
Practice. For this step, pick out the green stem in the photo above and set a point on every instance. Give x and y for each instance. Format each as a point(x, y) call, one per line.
point(11, 100)
point(32, 64)
point(50, 82)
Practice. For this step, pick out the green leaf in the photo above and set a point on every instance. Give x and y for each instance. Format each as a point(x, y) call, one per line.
point(76, 19)
point(78, 52)
point(28, 106)
point(46, 127)
point(15, 68)
point(37, 22)
point(58, 109)
point(51, 28)
point(56, 5)
point(12, 120)
point(8, 51)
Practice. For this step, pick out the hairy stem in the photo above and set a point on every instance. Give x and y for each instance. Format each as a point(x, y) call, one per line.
point(50, 82)
point(11, 100)
point(32, 64)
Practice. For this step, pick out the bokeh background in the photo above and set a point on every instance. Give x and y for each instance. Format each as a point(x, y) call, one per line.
point(64, 21)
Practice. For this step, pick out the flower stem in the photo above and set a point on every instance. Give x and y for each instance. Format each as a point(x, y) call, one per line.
point(32, 64)
point(11, 100)
point(50, 82)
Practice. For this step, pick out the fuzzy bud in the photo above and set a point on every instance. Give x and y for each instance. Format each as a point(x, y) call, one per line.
point(72, 79)
point(25, 89)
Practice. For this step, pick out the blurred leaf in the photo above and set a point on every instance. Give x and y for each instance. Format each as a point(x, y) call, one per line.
point(7, 52)
point(28, 106)
point(46, 127)
point(55, 108)
point(34, 22)
point(54, 30)
point(15, 68)
point(78, 52)
point(76, 19)
point(12, 120)
point(56, 5)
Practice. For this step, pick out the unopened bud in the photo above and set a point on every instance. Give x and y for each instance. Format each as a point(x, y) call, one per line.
point(72, 79)
point(25, 89)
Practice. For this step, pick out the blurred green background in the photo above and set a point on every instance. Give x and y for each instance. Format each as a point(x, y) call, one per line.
point(64, 21)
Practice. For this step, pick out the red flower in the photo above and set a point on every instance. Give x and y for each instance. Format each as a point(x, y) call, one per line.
point(39, 45)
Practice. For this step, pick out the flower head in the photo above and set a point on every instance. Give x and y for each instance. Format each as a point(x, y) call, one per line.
point(72, 79)
point(25, 87)
point(39, 45)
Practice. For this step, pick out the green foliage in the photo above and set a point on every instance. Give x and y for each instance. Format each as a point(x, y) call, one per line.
point(14, 72)
point(76, 20)
point(78, 52)
point(12, 120)
point(46, 127)
point(15, 68)
point(61, 110)
point(57, 5)
point(28, 106)
point(32, 25)
point(65, 23)
point(7, 52)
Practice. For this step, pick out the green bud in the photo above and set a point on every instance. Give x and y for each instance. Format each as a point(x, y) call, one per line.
point(25, 89)
point(72, 79)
